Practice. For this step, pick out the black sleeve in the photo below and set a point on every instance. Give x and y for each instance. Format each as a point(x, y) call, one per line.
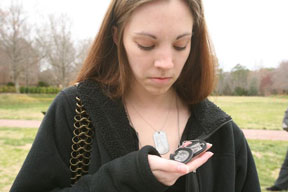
point(246, 172)
point(46, 167)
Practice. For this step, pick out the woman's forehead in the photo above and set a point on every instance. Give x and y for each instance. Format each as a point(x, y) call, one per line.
point(163, 9)
point(155, 17)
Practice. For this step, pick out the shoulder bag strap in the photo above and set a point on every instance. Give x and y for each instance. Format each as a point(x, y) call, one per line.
point(81, 143)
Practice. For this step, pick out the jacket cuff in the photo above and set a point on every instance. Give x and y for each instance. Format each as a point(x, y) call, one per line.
point(145, 171)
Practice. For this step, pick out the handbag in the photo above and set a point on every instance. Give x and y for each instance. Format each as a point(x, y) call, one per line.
point(81, 143)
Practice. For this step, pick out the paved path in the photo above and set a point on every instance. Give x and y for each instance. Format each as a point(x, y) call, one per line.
point(249, 133)
point(19, 123)
point(266, 134)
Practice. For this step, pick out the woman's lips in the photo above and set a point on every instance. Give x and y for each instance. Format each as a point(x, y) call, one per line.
point(162, 80)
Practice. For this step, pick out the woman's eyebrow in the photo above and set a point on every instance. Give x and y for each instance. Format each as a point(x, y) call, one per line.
point(154, 37)
point(184, 35)
point(146, 34)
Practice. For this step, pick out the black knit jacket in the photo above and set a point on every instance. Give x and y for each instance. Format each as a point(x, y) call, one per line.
point(117, 164)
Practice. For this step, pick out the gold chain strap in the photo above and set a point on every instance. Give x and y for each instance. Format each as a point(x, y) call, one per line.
point(81, 143)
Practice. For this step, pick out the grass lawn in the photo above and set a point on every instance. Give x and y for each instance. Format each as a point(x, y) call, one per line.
point(254, 112)
point(16, 142)
point(268, 156)
point(24, 106)
point(247, 112)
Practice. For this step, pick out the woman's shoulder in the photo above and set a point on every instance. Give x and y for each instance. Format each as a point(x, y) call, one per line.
point(65, 96)
point(210, 115)
point(78, 89)
point(213, 117)
point(89, 93)
point(70, 91)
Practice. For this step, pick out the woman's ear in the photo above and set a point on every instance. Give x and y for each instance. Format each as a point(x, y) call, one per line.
point(115, 34)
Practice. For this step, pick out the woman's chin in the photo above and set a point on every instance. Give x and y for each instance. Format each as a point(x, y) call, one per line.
point(157, 91)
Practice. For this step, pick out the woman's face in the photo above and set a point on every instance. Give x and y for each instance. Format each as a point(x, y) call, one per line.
point(157, 42)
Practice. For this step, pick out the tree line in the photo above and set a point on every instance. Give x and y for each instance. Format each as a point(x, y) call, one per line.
point(242, 81)
point(31, 55)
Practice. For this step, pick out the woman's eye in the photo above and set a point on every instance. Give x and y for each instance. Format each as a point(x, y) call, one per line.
point(181, 45)
point(146, 48)
point(180, 48)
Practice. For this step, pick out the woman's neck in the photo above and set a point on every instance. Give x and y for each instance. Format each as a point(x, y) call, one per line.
point(146, 100)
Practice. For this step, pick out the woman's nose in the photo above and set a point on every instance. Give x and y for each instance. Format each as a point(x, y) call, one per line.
point(164, 62)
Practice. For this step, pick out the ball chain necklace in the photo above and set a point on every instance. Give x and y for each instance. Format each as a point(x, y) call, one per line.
point(159, 136)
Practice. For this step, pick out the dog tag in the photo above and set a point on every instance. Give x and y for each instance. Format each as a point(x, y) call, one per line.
point(185, 154)
point(197, 147)
point(182, 155)
point(161, 142)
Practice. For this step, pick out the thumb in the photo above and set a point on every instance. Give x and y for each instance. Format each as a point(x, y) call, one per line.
point(158, 163)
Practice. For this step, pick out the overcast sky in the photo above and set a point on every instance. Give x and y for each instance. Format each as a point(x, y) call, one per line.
point(253, 33)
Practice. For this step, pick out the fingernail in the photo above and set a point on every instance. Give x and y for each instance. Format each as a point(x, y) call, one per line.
point(210, 154)
point(183, 168)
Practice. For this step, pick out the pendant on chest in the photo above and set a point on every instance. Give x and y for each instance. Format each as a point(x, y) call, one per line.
point(161, 142)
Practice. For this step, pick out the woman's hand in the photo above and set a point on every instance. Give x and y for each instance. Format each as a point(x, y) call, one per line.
point(168, 171)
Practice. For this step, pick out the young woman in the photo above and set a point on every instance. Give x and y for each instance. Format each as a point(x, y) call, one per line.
point(141, 92)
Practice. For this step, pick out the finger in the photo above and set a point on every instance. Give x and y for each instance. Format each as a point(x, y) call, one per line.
point(199, 161)
point(208, 146)
point(162, 164)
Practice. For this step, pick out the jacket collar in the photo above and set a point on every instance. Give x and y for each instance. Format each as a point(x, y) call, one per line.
point(210, 117)
point(109, 120)
point(112, 125)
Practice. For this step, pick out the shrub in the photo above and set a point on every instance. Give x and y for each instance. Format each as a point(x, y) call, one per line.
point(40, 90)
point(11, 84)
point(252, 91)
point(239, 91)
point(37, 90)
point(43, 84)
point(7, 89)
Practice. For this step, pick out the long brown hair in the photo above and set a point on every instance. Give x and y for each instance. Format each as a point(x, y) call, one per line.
point(107, 63)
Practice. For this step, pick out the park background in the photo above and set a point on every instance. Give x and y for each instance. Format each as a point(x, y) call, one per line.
point(38, 59)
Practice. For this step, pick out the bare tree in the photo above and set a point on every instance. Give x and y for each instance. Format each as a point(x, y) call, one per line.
point(82, 49)
point(239, 74)
point(58, 49)
point(14, 38)
point(280, 78)
point(266, 81)
point(253, 83)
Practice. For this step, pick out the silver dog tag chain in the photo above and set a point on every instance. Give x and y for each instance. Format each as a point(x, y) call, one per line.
point(160, 138)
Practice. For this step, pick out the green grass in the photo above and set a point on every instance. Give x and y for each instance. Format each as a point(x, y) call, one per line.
point(254, 112)
point(247, 112)
point(24, 106)
point(16, 142)
point(268, 156)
